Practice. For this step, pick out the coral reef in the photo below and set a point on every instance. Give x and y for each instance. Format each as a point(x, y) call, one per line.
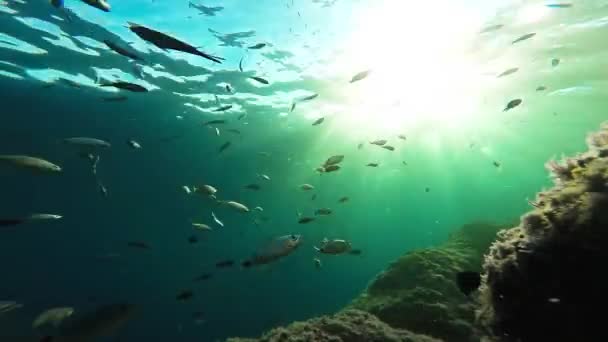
point(418, 291)
point(543, 279)
point(346, 326)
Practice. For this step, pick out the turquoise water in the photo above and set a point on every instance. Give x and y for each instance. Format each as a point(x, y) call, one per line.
point(433, 80)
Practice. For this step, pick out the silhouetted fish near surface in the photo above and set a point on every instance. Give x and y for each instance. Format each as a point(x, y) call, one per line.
point(468, 281)
point(99, 4)
point(122, 51)
point(305, 219)
point(560, 5)
point(223, 108)
point(257, 46)
point(512, 104)
point(555, 62)
point(508, 72)
point(524, 37)
point(224, 264)
point(343, 199)
point(318, 121)
point(126, 86)
point(359, 76)
point(166, 42)
point(373, 164)
point(214, 122)
point(224, 146)
point(259, 79)
point(492, 28)
point(541, 88)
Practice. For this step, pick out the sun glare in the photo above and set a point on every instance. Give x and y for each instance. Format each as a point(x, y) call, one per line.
point(420, 71)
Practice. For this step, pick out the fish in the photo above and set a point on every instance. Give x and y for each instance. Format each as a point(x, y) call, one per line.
point(166, 42)
point(104, 321)
point(254, 187)
point(373, 164)
point(224, 146)
point(427, 189)
point(222, 108)
point(355, 252)
point(293, 107)
point(225, 263)
point(184, 295)
point(308, 97)
point(379, 142)
point(468, 281)
point(524, 37)
point(214, 122)
point(122, 51)
point(241, 64)
point(331, 168)
point(402, 137)
point(334, 247)
point(228, 88)
point(360, 146)
point(87, 142)
point(8, 306)
point(99, 4)
point(260, 209)
point(541, 88)
point(343, 199)
point(313, 197)
point(305, 219)
point(236, 206)
point(241, 116)
point(559, 5)
point(318, 121)
point(28, 162)
point(492, 28)
point(133, 144)
point(388, 147)
point(259, 79)
point(120, 98)
point(217, 131)
point(216, 220)
point(508, 72)
point(136, 88)
point(333, 160)
point(512, 104)
point(264, 177)
point(205, 189)
point(233, 130)
point(201, 226)
point(323, 212)
point(138, 244)
point(306, 187)
point(317, 262)
point(53, 317)
point(274, 250)
point(495, 163)
point(103, 190)
point(208, 11)
point(44, 217)
point(257, 46)
point(193, 239)
point(204, 276)
point(555, 62)
point(360, 75)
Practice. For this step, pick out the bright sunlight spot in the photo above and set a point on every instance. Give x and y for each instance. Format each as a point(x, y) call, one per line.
point(422, 72)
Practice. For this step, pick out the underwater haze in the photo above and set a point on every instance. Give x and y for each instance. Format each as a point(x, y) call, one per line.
point(443, 112)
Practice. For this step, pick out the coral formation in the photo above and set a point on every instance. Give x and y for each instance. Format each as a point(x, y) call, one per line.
point(346, 326)
point(418, 291)
point(543, 279)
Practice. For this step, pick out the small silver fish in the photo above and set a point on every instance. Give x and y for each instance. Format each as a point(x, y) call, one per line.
point(216, 220)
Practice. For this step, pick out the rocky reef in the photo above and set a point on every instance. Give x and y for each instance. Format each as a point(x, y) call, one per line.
point(418, 292)
point(346, 326)
point(543, 280)
point(414, 299)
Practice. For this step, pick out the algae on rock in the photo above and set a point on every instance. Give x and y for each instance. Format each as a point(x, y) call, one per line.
point(543, 280)
point(346, 326)
point(418, 291)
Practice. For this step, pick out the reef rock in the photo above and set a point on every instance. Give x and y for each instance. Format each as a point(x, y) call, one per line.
point(544, 279)
point(418, 292)
point(346, 326)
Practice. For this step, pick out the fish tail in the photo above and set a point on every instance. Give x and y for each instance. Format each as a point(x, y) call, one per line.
point(190, 4)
